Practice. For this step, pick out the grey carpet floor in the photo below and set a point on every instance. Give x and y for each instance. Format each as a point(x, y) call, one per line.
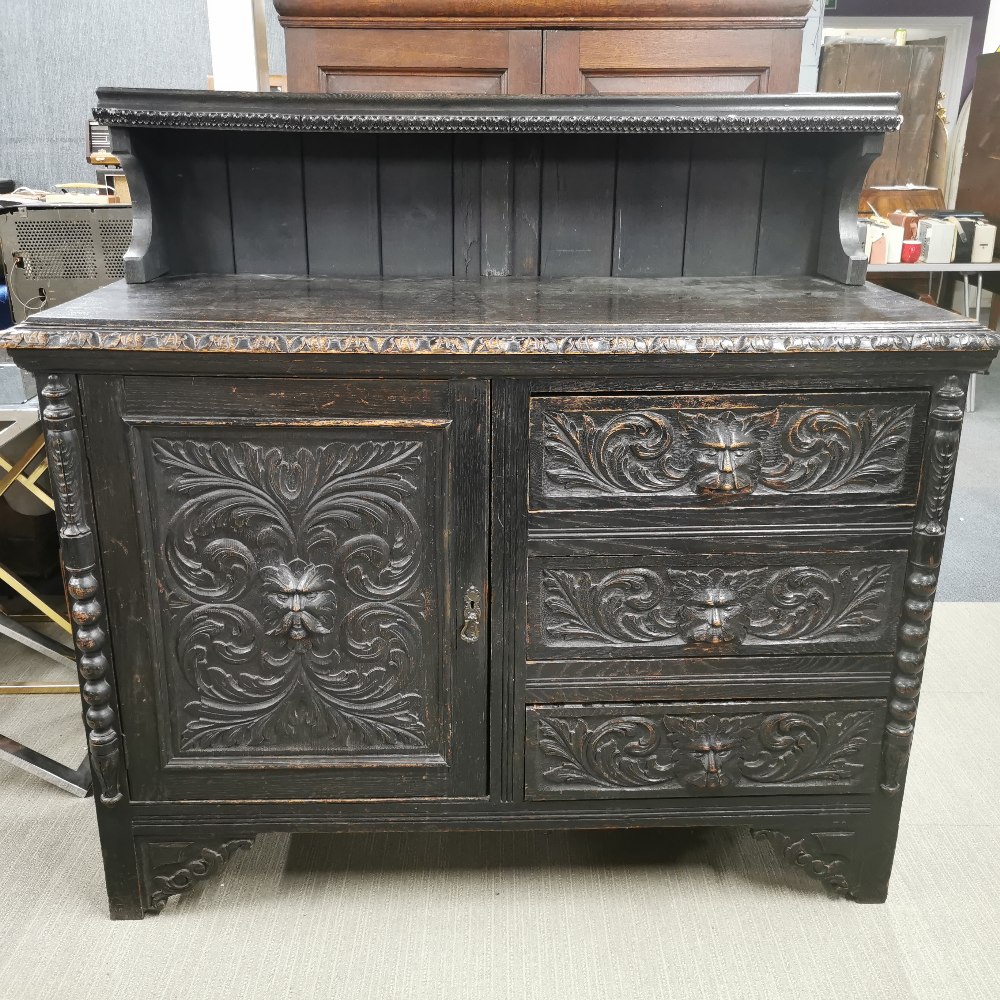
point(705, 915)
point(971, 567)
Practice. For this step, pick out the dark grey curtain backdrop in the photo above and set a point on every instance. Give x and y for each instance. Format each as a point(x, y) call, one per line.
point(55, 53)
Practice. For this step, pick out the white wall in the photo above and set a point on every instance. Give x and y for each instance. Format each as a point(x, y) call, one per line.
point(55, 53)
point(992, 40)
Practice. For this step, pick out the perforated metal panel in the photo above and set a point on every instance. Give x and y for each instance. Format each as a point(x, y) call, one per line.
point(64, 252)
point(56, 248)
point(116, 235)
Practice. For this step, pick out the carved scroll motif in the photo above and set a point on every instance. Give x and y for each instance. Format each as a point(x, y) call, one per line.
point(941, 456)
point(200, 862)
point(704, 753)
point(298, 588)
point(806, 852)
point(79, 553)
point(727, 454)
point(717, 608)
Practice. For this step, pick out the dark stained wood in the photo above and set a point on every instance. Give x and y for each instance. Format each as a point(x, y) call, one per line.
point(340, 180)
point(789, 238)
point(788, 309)
point(724, 200)
point(417, 212)
point(422, 445)
point(578, 206)
point(547, 200)
point(651, 202)
point(653, 750)
point(269, 222)
point(197, 231)
point(448, 551)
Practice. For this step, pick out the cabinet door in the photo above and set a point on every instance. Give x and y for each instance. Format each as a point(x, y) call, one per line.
point(724, 61)
point(476, 62)
point(296, 575)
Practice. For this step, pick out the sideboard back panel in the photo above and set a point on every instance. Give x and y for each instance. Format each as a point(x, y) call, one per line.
point(468, 206)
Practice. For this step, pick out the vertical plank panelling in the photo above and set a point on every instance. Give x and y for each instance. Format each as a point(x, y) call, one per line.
point(468, 207)
point(191, 191)
point(528, 153)
point(918, 109)
point(651, 205)
point(340, 173)
point(415, 190)
point(723, 205)
point(497, 206)
point(578, 185)
point(794, 182)
point(265, 186)
point(895, 77)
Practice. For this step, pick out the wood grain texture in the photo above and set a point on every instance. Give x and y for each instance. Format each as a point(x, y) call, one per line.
point(728, 748)
point(528, 8)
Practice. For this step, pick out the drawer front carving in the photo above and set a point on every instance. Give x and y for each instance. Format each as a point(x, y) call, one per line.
point(690, 451)
point(788, 602)
point(715, 749)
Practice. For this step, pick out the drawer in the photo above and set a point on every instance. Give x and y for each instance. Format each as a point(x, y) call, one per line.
point(641, 452)
point(599, 607)
point(643, 750)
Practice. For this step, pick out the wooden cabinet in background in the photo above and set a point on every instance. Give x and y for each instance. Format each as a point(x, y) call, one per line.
point(555, 47)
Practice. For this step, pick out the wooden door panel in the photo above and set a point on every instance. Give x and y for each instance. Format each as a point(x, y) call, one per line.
point(671, 61)
point(385, 60)
point(301, 558)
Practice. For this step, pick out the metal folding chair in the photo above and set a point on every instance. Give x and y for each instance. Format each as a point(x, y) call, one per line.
point(25, 471)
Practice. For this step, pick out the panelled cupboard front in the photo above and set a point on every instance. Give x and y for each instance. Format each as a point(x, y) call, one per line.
point(418, 540)
point(310, 560)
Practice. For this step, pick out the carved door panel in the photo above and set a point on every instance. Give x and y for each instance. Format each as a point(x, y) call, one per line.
point(297, 569)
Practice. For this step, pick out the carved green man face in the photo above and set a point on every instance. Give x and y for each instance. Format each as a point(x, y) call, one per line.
point(726, 450)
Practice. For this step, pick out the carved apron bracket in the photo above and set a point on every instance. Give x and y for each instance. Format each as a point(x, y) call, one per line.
point(79, 552)
point(826, 857)
point(175, 867)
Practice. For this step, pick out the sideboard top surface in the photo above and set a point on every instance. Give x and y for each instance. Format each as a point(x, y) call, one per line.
point(757, 113)
point(294, 314)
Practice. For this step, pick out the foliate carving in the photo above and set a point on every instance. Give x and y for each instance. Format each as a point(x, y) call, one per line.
point(715, 608)
point(204, 862)
point(298, 592)
point(769, 342)
point(940, 458)
point(726, 454)
point(495, 123)
point(79, 552)
point(801, 852)
point(704, 753)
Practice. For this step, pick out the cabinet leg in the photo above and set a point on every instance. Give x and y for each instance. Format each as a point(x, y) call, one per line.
point(174, 867)
point(851, 861)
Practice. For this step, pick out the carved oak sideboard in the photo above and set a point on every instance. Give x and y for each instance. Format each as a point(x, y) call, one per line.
point(514, 464)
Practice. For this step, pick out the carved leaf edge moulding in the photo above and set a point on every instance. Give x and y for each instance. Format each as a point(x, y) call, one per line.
point(458, 344)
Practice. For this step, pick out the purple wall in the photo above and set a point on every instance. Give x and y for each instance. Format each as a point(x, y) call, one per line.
point(978, 10)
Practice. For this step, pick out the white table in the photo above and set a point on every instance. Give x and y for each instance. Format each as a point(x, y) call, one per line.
point(966, 271)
